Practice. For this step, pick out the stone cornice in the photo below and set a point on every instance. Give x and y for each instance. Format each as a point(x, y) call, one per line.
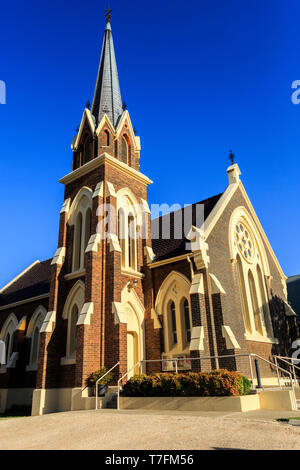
point(105, 158)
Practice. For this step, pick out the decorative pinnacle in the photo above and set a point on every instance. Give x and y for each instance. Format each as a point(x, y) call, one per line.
point(108, 15)
point(231, 157)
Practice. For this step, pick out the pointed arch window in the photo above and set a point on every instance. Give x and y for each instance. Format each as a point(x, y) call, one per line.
point(187, 321)
point(7, 336)
point(87, 150)
point(255, 306)
point(88, 230)
point(251, 262)
point(121, 236)
point(131, 242)
point(173, 323)
point(127, 234)
point(71, 313)
point(33, 333)
point(78, 242)
point(124, 150)
point(81, 218)
point(72, 333)
point(243, 295)
point(106, 138)
point(264, 302)
point(8, 346)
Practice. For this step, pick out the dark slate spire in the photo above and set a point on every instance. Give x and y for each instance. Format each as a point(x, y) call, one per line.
point(107, 96)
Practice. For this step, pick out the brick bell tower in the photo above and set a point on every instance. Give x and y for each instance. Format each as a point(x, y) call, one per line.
point(96, 308)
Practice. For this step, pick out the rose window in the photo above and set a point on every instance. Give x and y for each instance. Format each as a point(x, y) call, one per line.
point(244, 241)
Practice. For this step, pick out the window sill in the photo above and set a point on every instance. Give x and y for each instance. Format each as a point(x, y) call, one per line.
point(256, 337)
point(68, 361)
point(132, 273)
point(75, 274)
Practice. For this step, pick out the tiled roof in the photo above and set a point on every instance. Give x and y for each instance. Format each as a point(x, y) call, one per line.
point(293, 287)
point(175, 246)
point(34, 282)
point(107, 96)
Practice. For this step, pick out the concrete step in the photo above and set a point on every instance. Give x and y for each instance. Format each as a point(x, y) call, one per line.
point(113, 402)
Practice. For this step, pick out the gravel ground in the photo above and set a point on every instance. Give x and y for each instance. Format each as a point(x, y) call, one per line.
point(120, 430)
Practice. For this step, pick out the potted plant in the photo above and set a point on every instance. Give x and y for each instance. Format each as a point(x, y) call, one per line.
point(102, 384)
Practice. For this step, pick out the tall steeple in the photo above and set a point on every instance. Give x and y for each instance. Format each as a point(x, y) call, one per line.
point(107, 96)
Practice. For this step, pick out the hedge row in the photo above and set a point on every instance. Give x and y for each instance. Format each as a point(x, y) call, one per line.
point(216, 383)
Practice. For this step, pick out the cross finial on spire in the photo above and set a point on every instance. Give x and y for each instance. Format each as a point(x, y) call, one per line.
point(108, 15)
point(231, 157)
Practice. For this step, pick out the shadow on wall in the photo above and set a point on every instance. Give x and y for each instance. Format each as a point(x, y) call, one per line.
point(285, 327)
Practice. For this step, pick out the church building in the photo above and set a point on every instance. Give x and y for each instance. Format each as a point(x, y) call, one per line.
point(122, 289)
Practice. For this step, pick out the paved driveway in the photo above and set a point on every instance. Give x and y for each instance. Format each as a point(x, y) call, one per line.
point(111, 429)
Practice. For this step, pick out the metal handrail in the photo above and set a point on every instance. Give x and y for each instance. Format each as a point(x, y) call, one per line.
point(277, 367)
point(214, 357)
point(289, 361)
point(101, 378)
point(123, 377)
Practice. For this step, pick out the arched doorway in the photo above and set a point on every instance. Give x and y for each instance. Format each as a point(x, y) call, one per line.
point(135, 312)
point(134, 353)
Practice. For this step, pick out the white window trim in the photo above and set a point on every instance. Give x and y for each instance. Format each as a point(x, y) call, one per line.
point(175, 288)
point(37, 319)
point(76, 297)
point(258, 259)
point(77, 207)
point(6, 328)
point(128, 204)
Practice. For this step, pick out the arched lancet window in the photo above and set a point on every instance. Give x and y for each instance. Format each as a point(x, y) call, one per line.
point(127, 232)
point(33, 333)
point(77, 242)
point(88, 230)
point(71, 312)
point(245, 306)
point(72, 343)
point(81, 218)
point(124, 150)
point(187, 321)
point(106, 138)
point(8, 346)
point(131, 242)
point(252, 264)
point(255, 306)
point(173, 323)
point(7, 335)
point(121, 235)
point(87, 150)
point(264, 302)
point(172, 304)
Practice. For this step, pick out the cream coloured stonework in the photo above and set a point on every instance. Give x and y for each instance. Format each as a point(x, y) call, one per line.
point(175, 289)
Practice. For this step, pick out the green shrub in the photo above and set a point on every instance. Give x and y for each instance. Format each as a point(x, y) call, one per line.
point(201, 384)
point(92, 379)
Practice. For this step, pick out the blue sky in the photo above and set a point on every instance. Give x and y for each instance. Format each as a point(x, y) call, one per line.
point(198, 79)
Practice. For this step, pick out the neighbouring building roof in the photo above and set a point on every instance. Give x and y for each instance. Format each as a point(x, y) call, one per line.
point(107, 96)
point(293, 288)
point(34, 282)
point(176, 246)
